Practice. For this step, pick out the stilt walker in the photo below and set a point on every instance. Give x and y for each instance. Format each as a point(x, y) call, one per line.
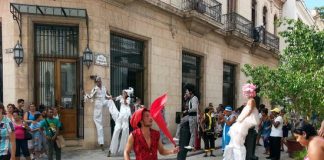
point(101, 99)
point(121, 123)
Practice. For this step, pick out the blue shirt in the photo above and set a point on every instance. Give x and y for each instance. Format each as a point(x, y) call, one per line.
point(34, 126)
point(6, 127)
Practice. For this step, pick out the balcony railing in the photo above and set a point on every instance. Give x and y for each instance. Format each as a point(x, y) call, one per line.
point(236, 22)
point(266, 38)
point(210, 8)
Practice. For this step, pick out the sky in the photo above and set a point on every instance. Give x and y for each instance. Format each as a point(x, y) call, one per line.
point(311, 4)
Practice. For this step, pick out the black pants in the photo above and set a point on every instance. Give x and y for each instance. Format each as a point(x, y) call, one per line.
point(22, 145)
point(52, 146)
point(209, 140)
point(5, 157)
point(275, 144)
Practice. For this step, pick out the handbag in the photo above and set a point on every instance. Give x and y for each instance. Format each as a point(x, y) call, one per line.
point(28, 135)
point(60, 141)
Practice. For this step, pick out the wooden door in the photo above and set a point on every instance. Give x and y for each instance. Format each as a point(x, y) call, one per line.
point(66, 95)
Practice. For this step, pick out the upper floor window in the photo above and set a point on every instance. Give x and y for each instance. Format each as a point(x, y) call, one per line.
point(264, 17)
point(231, 6)
point(253, 17)
point(275, 25)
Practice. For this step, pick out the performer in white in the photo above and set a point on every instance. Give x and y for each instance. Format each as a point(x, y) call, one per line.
point(101, 99)
point(248, 118)
point(122, 123)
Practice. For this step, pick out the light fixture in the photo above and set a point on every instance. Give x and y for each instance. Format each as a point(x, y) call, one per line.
point(18, 53)
point(18, 49)
point(87, 57)
point(87, 53)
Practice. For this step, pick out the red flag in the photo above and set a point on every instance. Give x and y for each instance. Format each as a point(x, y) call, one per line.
point(155, 111)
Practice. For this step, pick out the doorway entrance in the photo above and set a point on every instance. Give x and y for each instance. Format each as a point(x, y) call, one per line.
point(57, 71)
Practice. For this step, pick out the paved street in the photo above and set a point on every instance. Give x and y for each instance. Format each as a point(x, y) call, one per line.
point(73, 154)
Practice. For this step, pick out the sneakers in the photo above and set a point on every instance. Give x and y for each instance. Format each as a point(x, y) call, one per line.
point(109, 154)
point(175, 139)
point(102, 147)
point(189, 147)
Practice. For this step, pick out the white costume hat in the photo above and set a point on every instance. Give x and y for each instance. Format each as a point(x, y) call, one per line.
point(129, 91)
point(98, 78)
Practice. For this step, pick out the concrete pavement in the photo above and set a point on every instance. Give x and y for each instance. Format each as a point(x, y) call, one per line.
point(80, 154)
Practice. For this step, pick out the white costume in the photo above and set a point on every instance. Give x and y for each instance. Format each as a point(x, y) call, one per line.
point(121, 124)
point(236, 150)
point(100, 99)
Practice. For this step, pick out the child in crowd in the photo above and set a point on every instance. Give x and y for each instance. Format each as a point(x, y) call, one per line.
point(38, 135)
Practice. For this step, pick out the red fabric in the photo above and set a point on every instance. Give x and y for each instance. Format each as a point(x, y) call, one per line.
point(141, 148)
point(136, 118)
point(156, 114)
point(197, 141)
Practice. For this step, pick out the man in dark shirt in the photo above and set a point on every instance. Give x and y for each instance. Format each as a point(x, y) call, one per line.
point(20, 107)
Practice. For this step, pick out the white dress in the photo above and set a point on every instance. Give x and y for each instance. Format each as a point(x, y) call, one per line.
point(236, 150)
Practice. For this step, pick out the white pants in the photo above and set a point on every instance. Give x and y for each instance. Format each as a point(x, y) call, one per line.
point(121, 125)
point(97, 116)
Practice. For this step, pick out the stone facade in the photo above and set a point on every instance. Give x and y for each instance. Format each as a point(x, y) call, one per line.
point(162, 26)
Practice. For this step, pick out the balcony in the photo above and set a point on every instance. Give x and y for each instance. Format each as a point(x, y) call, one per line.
point(202, 16)
point(238, 29)
point(265, 42)
point(210, 8)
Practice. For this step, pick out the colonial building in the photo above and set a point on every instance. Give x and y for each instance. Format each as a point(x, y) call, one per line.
point(297, 10)
point(154, 46)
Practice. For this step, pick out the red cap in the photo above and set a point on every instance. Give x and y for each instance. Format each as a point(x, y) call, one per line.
point(136, 117)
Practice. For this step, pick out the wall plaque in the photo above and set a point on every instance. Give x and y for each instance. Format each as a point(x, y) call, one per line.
point(101, 60)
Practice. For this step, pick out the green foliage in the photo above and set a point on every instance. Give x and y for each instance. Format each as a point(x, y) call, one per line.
point(298, 82)
point(321, 11)
point(300, 155)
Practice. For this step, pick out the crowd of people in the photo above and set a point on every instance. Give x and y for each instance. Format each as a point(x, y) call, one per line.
point(232, 126)
point(29, 131)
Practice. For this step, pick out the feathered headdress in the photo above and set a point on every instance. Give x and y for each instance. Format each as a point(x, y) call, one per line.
point(129, 91)
point(249, 90)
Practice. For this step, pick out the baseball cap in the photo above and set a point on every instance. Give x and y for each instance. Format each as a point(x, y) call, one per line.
point(228, 108)
point(277, 110)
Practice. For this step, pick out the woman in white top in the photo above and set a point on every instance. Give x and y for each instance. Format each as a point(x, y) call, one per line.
point(122, 123)
point(248, 118)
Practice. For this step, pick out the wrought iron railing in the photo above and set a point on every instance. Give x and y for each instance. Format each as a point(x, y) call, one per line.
point(271, 40)
point(210, 8)
point(266, 38)
point(236, 22)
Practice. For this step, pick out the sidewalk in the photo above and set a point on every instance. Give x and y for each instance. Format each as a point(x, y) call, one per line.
point(70, 153)
point(97, 154)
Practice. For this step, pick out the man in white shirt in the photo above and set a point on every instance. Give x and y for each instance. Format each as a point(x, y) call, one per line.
point(276, 134)
point(101, 99)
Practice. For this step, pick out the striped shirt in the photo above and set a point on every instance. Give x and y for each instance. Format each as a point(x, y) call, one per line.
point(6, 127)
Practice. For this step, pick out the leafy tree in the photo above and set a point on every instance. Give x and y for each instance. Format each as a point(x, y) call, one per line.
point(298, 82)
point(321, 11)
